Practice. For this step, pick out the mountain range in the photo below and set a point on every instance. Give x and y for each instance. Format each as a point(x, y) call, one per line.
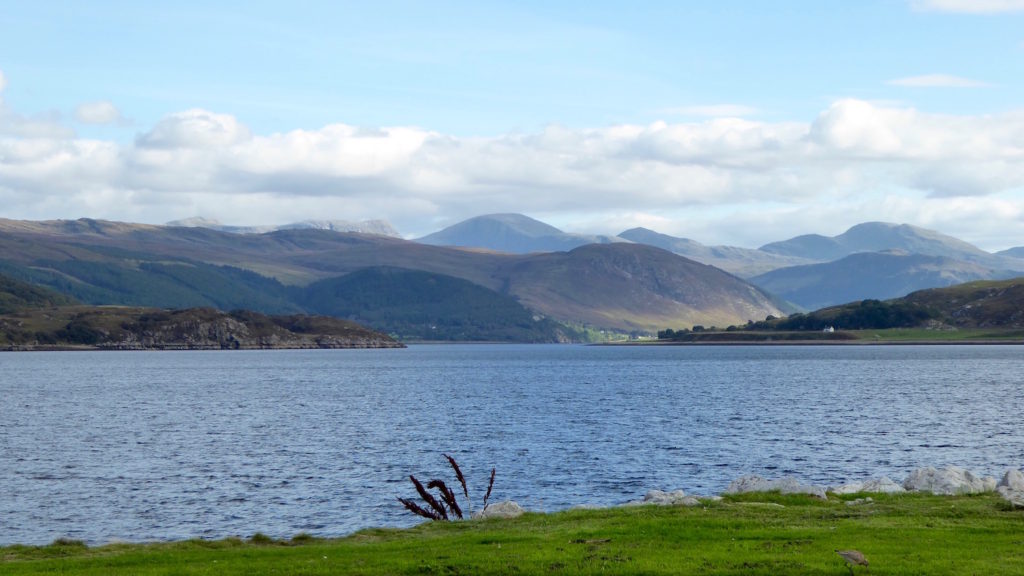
point(381, 227)
point(554, 296)
point(869, 260)
point(493, 277)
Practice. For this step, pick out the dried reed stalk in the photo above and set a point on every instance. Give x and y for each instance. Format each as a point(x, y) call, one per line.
point(415, 509)
point(458, 474)
point(428, 498)
point(446, 495)
point(490, 485)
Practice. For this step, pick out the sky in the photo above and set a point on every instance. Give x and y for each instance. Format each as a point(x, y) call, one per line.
point(727, 122)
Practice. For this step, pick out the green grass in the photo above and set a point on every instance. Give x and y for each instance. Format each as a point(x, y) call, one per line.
point(921, 334)
point(752, 534)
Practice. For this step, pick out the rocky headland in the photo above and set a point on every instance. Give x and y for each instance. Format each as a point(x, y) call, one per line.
point(125, 328)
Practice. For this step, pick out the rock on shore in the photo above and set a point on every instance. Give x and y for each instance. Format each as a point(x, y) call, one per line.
point(786, 485)
point(948, 481)
point(506, 509)
point(662, 498)
point(951, 480)
point(882, 485)
point(1011, 487)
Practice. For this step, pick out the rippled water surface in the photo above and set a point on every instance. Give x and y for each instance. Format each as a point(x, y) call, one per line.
point(169, 445)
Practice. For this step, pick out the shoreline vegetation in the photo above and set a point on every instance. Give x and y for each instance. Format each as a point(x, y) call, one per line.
point(939, 521)
point(891, 336)
point(752, 533)
point(66, 328)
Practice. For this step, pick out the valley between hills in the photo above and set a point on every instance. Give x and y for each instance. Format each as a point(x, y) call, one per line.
point(503, 277)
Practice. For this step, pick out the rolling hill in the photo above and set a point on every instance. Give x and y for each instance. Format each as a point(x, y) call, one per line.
point(744, 262)
point(1017, 252)
point(974, 305)
point(425, 306)
point(868, 275)
point(635, 287)
point(879, 236)
point(17, 295)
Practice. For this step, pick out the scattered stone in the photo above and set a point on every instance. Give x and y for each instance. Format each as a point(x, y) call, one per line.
point(860, 501)
point(506, 509)
point(662, 498)
point(882, 485)
point(1011, 487)
point(587, 507)
point(948, 481)
point(786, 485)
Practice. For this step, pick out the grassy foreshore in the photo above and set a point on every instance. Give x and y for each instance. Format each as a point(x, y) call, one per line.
point(841, 337)
point(750, 534)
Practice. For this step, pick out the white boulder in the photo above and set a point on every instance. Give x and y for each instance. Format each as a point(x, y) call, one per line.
point(506, 509)
point(662, 498)
point(882, 485)
point(948, 481)
point(1011, 487)
point(786, 485)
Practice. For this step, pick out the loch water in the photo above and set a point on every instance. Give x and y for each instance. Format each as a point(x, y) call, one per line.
point(141, 446)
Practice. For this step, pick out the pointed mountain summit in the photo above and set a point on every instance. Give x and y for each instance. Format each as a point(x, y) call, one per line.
point(514, 233)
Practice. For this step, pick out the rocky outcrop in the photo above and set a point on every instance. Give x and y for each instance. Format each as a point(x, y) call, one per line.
point(882, 485)
point(1011, 487)
point(506, 509)
point(948, 481)
point(787, 485)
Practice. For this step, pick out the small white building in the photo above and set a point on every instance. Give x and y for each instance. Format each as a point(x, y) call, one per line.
point(829, 329)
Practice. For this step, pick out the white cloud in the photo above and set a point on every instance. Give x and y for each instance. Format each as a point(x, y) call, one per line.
point(3, 81)
point(724, 180)
point(970, 6)
point(101, 112)
point(195, 129)
point(937, 81)
point(713, 111)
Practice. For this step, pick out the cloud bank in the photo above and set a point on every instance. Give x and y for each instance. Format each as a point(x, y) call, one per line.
point(101, 112)
point(719, 180)
point(938, 81)
point(970, 6)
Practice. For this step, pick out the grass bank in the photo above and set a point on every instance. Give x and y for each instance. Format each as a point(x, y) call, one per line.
point(750, 534)
point(854, 337)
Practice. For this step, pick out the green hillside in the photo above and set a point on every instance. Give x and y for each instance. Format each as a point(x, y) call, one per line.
point(16, 295)
point(418, 305)
point(160, 284)
point(983, 304)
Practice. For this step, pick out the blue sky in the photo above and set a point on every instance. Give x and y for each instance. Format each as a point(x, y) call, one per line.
point(727, 122)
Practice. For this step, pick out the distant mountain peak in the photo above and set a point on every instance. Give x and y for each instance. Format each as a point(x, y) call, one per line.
point(514, 233)
point(196, 222)
point(878, 236)
point(379, 227)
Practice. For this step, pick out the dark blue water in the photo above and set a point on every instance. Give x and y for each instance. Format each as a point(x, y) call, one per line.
point(168, 445)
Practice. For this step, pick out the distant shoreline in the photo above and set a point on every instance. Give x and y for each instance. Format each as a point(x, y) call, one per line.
point(1017, 342)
